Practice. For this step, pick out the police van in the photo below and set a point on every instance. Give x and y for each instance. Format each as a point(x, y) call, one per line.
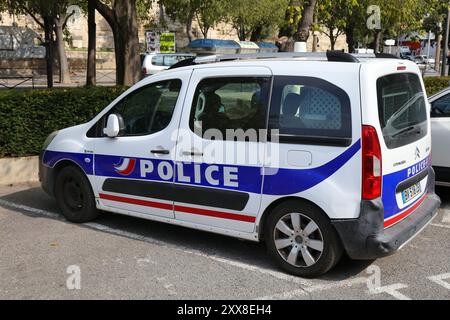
point(316, 154)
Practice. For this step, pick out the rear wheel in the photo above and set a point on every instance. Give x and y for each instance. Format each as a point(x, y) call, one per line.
point(74, 195)
point(301, 239)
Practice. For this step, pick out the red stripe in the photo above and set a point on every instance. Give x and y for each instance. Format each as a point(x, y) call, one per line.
point(404, 214)
point(215, 214)
point(166, 206)
point(153, 204)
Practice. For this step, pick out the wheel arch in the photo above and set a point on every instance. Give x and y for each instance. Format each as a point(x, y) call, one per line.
point(61, 164)
point(277, 202)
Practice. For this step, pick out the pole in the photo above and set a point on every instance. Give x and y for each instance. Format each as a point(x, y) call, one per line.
point(48, 26)
point(444, 58)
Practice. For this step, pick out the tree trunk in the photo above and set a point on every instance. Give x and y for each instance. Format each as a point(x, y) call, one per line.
point(48, 30)
point(304, 25)
point(122, 19)
point(189, 32)
point(91, 76)
point(256, 34)
point(350, 33)
point(437, 58)
point(376, 41)
point(64, 74)
point(332, 41)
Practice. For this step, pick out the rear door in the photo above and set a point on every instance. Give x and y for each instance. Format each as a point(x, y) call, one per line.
point(440, 132)
point(399, 110)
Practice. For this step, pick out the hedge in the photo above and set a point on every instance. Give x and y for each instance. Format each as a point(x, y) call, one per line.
point(28, 117)
point(436, 84)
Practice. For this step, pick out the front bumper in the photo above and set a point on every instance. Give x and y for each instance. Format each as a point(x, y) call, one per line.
point(46, 176)
point(366, 238)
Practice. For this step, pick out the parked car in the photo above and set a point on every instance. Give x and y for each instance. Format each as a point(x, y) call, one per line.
point(156, 62)
point(423, 59)
point(345, 165)
point(440, 132)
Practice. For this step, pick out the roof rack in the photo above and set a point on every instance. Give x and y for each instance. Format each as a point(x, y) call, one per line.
point(335, 56)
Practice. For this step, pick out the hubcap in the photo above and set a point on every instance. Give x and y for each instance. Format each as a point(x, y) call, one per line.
point(298, 240)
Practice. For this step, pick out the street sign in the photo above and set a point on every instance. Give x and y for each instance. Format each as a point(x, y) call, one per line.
point(163, 42)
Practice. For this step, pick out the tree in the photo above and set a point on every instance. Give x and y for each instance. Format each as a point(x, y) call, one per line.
point(333, 15)
point(52, 17)
point(91, 73)
point(183, 11)
point(209, 13)
point(121, 16)
point(250, 17)
point(304, 26)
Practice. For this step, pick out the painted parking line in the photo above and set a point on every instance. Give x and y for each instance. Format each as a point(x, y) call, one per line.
point(100, 227)
point(440, 280)
point(440, 225)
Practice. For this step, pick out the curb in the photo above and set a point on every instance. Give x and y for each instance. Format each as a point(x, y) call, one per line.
point(19, 170)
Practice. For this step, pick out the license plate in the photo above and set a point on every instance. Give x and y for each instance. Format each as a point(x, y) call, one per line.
point(411, 192)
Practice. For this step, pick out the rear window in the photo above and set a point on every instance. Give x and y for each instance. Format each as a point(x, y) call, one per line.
point(402, 109)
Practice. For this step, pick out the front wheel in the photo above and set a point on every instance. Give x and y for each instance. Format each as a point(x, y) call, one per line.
point(301, 240)
point(74, 195)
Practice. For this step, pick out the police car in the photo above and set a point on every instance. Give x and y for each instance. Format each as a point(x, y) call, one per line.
point(315, 154)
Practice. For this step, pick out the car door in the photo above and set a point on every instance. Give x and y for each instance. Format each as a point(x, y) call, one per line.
point(134, 171)
point(219, 151)
point(440, 134)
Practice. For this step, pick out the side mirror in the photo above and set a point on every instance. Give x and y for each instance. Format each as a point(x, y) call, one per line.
point(114, 126)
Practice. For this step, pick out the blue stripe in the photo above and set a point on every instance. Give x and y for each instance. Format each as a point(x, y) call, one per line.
point(284, 182)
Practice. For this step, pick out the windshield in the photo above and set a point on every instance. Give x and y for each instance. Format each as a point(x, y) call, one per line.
point(402, 109)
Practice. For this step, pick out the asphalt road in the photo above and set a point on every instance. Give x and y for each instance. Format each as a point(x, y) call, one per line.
point(117, 257)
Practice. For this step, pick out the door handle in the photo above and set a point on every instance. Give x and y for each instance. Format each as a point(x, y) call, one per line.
point(160, 151)
point(192, 153)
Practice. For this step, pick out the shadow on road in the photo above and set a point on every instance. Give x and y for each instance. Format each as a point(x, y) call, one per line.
point(248, 252)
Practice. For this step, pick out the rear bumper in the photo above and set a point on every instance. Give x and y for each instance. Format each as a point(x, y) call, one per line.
point(366, 238)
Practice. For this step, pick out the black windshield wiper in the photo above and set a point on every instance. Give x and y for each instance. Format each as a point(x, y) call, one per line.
point(406, 130)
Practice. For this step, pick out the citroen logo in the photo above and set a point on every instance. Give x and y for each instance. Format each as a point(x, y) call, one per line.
point(417, 153)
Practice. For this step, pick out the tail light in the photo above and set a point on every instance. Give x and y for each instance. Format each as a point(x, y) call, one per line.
point(371, 164)
point(144, 71)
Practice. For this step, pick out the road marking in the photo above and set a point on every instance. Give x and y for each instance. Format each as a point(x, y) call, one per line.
point(130, 235)
point(439, 279)
point(392, 290)
point(315, 288)
point(446, 216)
point(440, 225)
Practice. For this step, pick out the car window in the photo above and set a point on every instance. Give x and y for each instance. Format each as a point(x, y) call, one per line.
point(230, 103)
point(401, 109)
point(441, 107)
point(306, 110)
point(158, 60)
point(145, 111)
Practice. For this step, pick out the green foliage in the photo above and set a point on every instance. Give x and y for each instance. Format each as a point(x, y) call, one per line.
point(28, 117)
point(436, 84)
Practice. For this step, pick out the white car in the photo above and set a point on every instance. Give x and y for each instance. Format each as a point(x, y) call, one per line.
point(156, 62)
point(315, 154)
point(440, 132)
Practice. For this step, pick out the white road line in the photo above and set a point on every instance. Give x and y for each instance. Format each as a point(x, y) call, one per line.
point(439, 279)
point(100, 227)
point(446, 216)
point(440, 225)
point(315, 288)
point(392, 290)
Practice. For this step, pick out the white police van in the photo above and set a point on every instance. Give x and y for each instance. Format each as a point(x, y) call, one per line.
point(340, 161)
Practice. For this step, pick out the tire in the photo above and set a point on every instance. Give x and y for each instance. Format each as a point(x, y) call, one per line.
point(74, 195)
point(309, 250)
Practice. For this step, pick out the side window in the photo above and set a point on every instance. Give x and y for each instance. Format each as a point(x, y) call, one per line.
point(441, 107)
point(230, 103)
point(145, 111)
point(158, 60)
point(310, 110)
